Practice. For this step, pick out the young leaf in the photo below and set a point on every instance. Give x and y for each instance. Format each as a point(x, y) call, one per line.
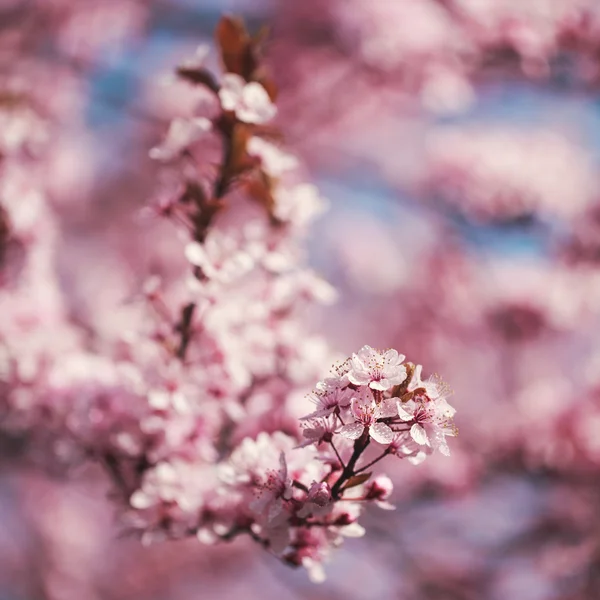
point(356, 480)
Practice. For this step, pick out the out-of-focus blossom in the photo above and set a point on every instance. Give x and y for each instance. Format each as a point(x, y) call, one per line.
point(249, 101)
point(181, 134)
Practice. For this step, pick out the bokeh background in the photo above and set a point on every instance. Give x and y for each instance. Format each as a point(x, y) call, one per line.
point(457, 142)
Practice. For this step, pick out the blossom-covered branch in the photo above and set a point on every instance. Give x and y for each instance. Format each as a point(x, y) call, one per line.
point(199, 411)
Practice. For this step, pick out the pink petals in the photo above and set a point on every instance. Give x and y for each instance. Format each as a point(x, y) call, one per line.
point(380, 370)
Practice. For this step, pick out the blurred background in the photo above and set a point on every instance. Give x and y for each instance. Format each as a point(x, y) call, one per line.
point(457, 142)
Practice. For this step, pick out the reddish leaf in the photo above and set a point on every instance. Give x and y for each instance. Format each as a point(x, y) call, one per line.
point(239, 160)
point(234, 42)
point(260, 189)
point(356, 480)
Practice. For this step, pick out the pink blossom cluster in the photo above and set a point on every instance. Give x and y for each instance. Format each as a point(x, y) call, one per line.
point(81, 30)
point(173, 351)
point(35, 329)
point(194, 405)
point(499, 174)
point(449, 42)
point(240, 471)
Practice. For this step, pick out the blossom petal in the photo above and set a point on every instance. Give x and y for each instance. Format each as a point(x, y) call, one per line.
point(141, 500)
point(419, 434)
point(386, 409)
point(194, 252)
point(417, 459)
point(444, 448)
point(275, 509)
point(352, 530)
point(352, 431)
point(416, 382)
point(381, 385)
point(381, 433)
point(231, 91)
point(358, 377)
point(405, 416)
point(322, 412)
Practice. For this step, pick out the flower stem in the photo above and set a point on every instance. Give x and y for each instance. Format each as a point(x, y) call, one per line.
point(385, 453)
point(359, 447)
point(338, 455)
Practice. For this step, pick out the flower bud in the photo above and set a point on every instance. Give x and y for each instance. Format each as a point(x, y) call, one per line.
point(380, 488)
point(319, 494)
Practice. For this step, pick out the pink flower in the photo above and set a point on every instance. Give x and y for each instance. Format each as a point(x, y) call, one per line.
point(327, 402)
point(276, 488)
point(299, 205)
point(319, 494)
point(313, 435)
point(220, 257)
point(181, 134)
point(379, 490)
point(275, 162)
point(366, 412)
point(379, 370)
point(176, 482)
point(249, 101)
point(429, 413)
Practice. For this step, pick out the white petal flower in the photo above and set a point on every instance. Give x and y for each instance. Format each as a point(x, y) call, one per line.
point(195, 254)
point(182, 133)
point(403, 414)
point(275, 162)
point(379, 370)
point(417, 459)
point(419, 434)
point(249, 101)
point(353, 530)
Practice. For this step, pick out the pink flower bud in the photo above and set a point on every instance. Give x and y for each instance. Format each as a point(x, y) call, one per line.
point(380, 488)
point(319, 494)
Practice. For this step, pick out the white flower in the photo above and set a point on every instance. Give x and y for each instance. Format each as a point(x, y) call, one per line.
point(366, 412)
point(219, 257)
point(182, 133)
point(328, 401)
point(276, 488)
point(379, 370)
point(275, 162)
point(429, 412)
point(299, 205)
point(249, 101)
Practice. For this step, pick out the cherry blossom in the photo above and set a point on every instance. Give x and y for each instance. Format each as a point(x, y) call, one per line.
point(366, 414)
point(249, 101)
point(181, 134)
point(329, 400)
point(379, 370)
point(180, 360)
point(429, 412)
point(274, 161)
point(220, 257)
point(380, 489)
